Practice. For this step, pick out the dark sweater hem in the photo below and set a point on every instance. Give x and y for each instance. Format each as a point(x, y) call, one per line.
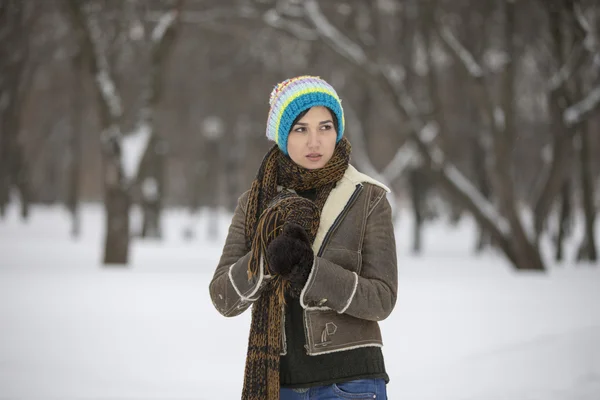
point(306, 385)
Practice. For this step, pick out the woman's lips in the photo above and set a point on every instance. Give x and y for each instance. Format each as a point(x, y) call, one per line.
point(314, 157)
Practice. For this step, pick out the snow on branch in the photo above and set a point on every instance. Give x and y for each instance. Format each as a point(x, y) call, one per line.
point(462, 53)
point(578, 111)
point(467, 188)
point(290, 8)
point(163, 24)
point(568, 69)
point(407, 153)
point(404, 157)
point(109, 92)
point(590, 42)
point(274, 20)
point(340, 42)
point(208, 16)
point(133, 147)
point(104, 80)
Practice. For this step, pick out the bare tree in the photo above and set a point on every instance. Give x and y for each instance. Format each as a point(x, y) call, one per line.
point(16, 71)
point(122, 151)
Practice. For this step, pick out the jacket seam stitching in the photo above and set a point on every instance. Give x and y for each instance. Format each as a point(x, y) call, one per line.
point(309, 283)
point(233, 283)
point(375, 203)
point(251, 292)
point(343, 310)
point(346, 348)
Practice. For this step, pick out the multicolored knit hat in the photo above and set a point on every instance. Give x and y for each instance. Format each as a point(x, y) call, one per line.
point(295, 95)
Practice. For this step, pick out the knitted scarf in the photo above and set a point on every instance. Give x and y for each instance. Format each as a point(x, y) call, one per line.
point(268, 210)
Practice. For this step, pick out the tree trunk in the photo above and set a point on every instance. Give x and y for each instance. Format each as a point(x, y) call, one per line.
point(21, 174)
point(116, 241)
point(564, 218)
point(525, 250)
point(587, 250)
point(152, 187)
point(151, 227)
point(77, 127)
point(116, 203)
point(16, 20)
point(417, 196)
point(7, 139)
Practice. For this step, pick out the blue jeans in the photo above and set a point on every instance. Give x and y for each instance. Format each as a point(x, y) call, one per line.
point(359, 389)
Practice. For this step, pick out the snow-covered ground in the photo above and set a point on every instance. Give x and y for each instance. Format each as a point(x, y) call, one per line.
point(465, 327)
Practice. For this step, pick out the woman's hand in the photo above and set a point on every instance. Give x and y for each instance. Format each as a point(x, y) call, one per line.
point(290, 255)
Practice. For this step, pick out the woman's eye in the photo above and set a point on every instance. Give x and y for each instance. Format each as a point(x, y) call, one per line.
point(326, 127)
point(300, 129)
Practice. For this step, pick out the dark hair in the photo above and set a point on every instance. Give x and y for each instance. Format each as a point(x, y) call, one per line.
point(303, 113)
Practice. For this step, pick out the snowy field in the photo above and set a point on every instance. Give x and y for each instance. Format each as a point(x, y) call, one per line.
point(464, 327)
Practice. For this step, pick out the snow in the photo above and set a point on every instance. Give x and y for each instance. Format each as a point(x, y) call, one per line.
point(272, 18)
point(482, 203)
point(109, 93)
point(463, 54)
point(465, 327)
point(340, 42)
point(213, 127)
point(133, 147)
point(150, 189)
point(575, 113)
point(163, 24)
point(499, 119)
point(404, 157)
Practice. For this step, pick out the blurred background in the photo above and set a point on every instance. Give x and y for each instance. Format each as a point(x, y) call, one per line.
point(128, 129)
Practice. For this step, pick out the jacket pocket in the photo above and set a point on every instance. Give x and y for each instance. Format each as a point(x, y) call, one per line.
point(357, 389)
point(328, 331)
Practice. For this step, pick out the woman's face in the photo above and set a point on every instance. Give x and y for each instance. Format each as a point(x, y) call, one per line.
point(311, 141)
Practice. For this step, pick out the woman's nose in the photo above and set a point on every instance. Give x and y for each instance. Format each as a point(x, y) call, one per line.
point(313, 139)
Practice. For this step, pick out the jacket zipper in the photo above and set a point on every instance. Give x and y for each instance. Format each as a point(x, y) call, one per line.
point(326, 239)
point(339, 218)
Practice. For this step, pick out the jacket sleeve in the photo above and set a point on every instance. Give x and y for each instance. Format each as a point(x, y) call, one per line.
point(370, 295)
point(230, 289)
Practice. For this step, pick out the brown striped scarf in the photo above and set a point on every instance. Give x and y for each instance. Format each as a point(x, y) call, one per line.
point(268, 210)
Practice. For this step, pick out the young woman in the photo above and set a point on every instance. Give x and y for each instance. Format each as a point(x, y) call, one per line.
point(311, 247)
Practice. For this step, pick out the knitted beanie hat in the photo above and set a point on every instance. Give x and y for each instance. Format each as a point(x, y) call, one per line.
point(295, 95)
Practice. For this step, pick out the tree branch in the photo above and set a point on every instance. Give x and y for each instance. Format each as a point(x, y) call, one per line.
point(578, 111)
point(340, 42)
point(466, 58)
point(90, 34)
point(274, 20)
point(494, 116)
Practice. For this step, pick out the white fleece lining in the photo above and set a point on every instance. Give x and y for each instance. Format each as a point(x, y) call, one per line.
point(337, 200)
point(352, 294)
point(233, 283)
point(345, 349)
point(308, 283)
point(335, 203)
point(358, 177)
point(260, 279)
point(321, 308)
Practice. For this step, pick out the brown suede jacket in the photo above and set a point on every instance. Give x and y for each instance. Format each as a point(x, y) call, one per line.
point(354, 279)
